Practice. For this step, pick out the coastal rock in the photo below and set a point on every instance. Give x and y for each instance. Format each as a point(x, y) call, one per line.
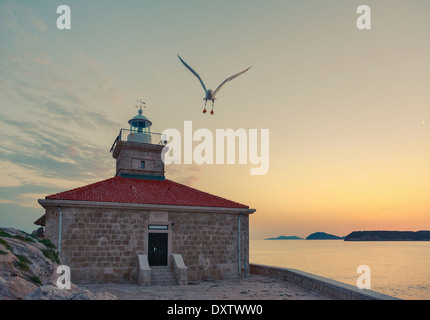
point(52, 292)
point(38, 263)
point(16, 288)
point(23, 264)
point(4, 288)
point(28, 268)
point(7, 261)
point(39, 233)
point(14, 283)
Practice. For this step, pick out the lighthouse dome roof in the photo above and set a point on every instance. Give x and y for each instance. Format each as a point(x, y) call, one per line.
point(140, 118)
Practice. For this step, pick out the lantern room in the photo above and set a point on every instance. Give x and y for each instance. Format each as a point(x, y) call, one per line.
point(139, 129)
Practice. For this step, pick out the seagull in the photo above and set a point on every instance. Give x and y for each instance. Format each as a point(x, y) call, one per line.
point(210, 95)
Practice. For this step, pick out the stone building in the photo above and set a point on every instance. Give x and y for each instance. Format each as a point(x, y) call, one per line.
point(140, 226)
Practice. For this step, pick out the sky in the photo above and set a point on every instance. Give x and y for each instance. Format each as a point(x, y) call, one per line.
point(348, 110)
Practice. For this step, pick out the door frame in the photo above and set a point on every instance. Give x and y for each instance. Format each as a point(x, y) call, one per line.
point(159, 218)
point(167, 244)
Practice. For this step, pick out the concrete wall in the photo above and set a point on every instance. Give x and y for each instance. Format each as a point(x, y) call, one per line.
point(328, 287)
point(101, 244)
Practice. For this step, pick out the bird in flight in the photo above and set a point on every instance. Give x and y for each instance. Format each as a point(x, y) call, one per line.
point(209, 94)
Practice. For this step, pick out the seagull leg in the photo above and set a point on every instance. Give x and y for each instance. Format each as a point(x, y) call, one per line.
point(204, 110)
point(212, 111)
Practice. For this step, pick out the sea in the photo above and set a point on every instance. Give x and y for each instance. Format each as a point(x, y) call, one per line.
point(397, 268)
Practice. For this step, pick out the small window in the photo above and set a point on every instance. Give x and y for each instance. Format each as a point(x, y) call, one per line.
point(142, 164)
point(157, 227)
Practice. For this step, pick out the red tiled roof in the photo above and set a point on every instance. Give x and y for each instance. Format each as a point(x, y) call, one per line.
point(160, 192)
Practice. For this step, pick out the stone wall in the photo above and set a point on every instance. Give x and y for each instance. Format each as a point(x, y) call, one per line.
point(128, 156)
point(208, 244)
point(101, 244)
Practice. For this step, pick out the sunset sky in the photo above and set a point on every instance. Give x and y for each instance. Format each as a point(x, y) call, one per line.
point(348, 110)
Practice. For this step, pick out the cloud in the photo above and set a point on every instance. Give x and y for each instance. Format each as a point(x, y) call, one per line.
point(58, 112)
point(21, 194)
point(6, 201)
point(184, 174)
point(53, 153)
point(30, 199)
point(41, 60)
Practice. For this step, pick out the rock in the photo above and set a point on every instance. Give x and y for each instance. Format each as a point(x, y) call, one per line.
point(27, 271)
point(40, 265)
point(14, 284)
point(7, 262)
point(52, 292)
point(13, 232)
point(88, 295)
point(4, 289)
point(23, 266)
point(39, 233)
point(19, 287)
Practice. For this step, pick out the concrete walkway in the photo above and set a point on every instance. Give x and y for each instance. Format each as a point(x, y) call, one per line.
point(256, 287)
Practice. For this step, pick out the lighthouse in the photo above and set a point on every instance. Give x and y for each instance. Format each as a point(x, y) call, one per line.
point(140, 227)
point(135, 153)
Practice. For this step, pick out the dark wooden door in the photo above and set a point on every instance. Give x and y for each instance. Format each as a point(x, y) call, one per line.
point(157, 249)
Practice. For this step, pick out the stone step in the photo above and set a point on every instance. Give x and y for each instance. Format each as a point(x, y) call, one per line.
point(162, 276)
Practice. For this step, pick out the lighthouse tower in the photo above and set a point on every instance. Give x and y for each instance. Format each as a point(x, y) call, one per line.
point(135, 153)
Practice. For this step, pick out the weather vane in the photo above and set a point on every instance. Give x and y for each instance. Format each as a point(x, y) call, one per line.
point(140, 104)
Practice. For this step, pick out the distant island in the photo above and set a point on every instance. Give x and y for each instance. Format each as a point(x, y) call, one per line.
point(313, 236)
point(323, 236)
point(285, 238)
point(388, 236)
point(365, 236)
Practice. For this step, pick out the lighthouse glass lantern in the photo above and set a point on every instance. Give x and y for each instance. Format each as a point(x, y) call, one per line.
point(140, 129)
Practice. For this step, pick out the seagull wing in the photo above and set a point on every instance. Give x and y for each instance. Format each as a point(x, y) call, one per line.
point(193, 72)
point(228, 79)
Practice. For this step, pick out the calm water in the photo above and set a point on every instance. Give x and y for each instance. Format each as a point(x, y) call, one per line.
point(399, 269)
